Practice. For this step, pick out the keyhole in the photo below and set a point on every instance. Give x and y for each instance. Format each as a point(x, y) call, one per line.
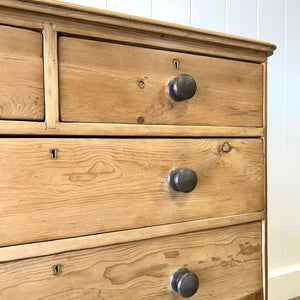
point(176, 64)
point(57, 269)
point(53, 153)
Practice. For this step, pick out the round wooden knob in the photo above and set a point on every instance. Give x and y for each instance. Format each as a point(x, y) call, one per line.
point(182, 179)
point(185, 283)
point(182, 87)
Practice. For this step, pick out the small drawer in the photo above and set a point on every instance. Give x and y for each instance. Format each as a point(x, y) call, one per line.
point(57, 188)
point(227, 263)
point(21, 76)
point(113, 83)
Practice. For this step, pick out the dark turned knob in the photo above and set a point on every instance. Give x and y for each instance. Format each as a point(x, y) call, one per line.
point(182, 87)
point(182, 179)
point(185, 283)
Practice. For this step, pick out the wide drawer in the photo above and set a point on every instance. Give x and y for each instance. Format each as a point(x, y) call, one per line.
point(113, 83)
point(21, 76)
point(227, 262)
point(55, 188)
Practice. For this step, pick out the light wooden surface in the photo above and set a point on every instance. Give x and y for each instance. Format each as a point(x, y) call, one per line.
point(103, 209)
point(114, 26)
point(88, 13)
point(101, 129)
point(265, 222)
point(102, 185)
point(21, 76)
point(227, 262)
point(125, 84)
point(51, 75)
point(11, 253)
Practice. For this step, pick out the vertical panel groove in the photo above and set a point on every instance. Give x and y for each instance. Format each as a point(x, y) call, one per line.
point(257, 18)
point(190, 12)
point(226, 16)
point(283, 133)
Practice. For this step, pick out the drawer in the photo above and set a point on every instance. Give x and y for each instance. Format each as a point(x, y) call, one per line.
point(21, 76)
point(113, 83)
point(226, 261)
point(66, 187)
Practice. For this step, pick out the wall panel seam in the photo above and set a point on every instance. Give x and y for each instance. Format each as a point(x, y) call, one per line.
point(226, 16)
point(190, 12)
point(283, 135)
point(257, 18)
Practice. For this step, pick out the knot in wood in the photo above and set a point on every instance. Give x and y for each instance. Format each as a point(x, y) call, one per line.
point(226, 147)
point(141, 84)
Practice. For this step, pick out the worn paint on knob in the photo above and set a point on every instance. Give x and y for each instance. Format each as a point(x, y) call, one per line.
point(183, 87)
point(182, 179)
point(185, 283)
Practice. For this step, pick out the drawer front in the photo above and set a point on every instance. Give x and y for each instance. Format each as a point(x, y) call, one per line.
point(111, 83)
point(102, 185)
point(227, 262)
point(21, 76)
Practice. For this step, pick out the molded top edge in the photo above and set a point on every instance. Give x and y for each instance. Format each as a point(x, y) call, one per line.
point(95, 15)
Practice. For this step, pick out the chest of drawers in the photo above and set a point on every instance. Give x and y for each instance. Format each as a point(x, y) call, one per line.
point(132, 157)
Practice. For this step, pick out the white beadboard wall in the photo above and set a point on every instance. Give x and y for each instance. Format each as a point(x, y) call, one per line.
point(276, 21)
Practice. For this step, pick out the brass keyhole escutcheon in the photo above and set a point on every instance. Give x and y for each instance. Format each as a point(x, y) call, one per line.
point(176, 64)
point(57, 269)
point(53, 153)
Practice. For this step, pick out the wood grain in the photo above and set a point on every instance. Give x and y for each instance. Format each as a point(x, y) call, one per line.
point(111, 238)
point(51, 75)
point(101, 82)
point(112, 192)
point(160, 39)
point(100, 129)
point(132, 23)
point(102, 185)
point(265, 222)
point(21, 76)
point(227, 262)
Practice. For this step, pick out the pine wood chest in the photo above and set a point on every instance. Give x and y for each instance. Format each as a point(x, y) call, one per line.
point(133, 157)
